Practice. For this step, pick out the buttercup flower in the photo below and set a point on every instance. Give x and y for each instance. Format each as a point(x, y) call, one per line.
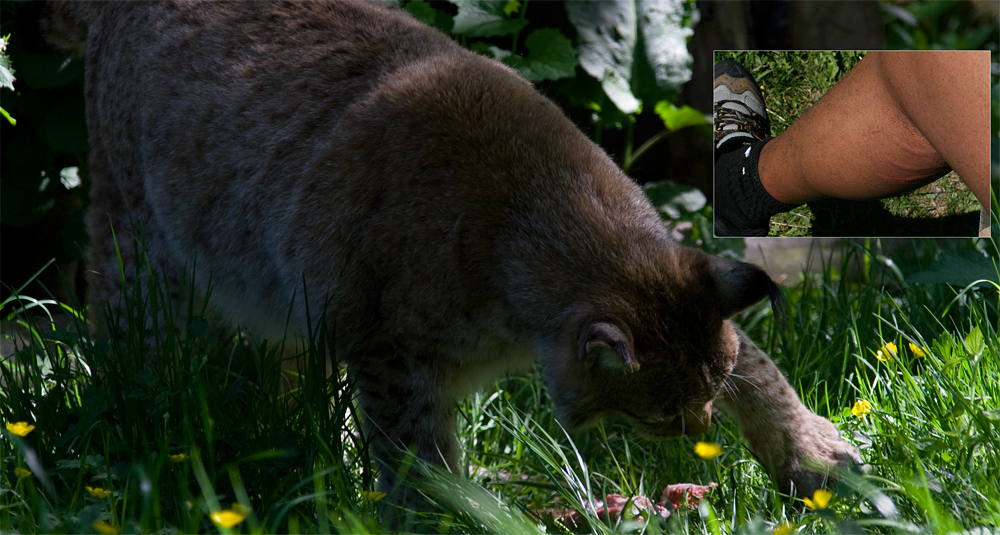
point(22, 473)
point(861, 408)
point(372, 495)
point(784, 528)
point(98, 492)
point(227, 518)
point(20, 429)
point(886, 353)
point(707, 450)
point(819, 500)
point(917, 350)
point(179, 458)
point(105, 529)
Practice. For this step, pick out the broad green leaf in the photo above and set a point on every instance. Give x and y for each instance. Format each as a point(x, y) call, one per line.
point(70, 177)
point(663, 60)
point(960, 269)
point(974, 343)
point(550, 56)
point(6, 76)
point(584, 91)
point(674, 199)
point(93, 462)
point(423, 12)
point(511, 8)
point(484, 18)
point(6, 72)
point(489, 50)
point(606, 34)
point(675, 118)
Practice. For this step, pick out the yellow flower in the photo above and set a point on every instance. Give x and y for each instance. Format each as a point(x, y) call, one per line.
point(20, 429)
point(707, 450)
point(105, 529)
point(227, 518)
point(98, 492)
point(372, 495)
point(917, 350)
point(22, 473)
point(819, 500)
point(784, 528)
point(861, 408)
point(886, 353)
point(179, 458)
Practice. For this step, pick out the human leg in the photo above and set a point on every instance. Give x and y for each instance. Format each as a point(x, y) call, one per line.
point(946, 96)
point(857, 142)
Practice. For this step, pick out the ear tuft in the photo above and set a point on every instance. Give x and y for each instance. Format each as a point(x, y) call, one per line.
point(740, 285)
point(605, 345)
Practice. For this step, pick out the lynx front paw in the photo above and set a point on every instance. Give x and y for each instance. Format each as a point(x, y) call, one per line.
point(817, 451)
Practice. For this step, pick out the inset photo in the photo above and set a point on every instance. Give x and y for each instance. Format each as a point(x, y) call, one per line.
point(852, 143)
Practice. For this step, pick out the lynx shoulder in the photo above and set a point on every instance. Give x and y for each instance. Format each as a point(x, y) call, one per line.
point(460, 224)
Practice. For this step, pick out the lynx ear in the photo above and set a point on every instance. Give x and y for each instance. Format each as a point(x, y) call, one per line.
point(605, 345)
point(739, 285)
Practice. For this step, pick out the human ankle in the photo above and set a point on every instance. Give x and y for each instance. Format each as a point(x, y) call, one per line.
point(779, 176)
point(742, 206)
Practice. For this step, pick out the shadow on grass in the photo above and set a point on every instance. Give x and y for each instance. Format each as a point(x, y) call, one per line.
point(841, 218)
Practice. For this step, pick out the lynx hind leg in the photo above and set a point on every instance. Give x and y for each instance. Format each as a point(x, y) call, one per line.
point(780, 431)
point(118, 273)
point(406, 413)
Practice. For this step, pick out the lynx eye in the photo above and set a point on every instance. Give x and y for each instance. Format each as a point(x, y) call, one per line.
point(658, 420)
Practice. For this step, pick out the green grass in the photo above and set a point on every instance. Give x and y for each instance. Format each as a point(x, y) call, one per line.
point(791, 83)
point(295, 461)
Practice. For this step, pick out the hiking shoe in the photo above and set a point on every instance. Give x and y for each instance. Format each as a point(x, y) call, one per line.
point(738, 106)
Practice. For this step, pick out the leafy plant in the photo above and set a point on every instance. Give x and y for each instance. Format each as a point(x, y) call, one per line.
point(940, 24)
point(550, 54)
point(627, 55)
point(6, 75)
point(43, 172)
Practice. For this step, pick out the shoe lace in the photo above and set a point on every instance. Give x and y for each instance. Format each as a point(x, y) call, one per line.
point(745, 120)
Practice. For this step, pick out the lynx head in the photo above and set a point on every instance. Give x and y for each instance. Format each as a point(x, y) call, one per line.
point(654, 345)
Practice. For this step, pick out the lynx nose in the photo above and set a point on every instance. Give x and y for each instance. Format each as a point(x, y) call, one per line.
point(696, 421)
point(693, 421)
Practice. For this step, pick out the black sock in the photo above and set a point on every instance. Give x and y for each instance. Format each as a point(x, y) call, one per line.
point(742, 205)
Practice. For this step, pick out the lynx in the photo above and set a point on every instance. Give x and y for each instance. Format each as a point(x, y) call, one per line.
point(460, 224)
